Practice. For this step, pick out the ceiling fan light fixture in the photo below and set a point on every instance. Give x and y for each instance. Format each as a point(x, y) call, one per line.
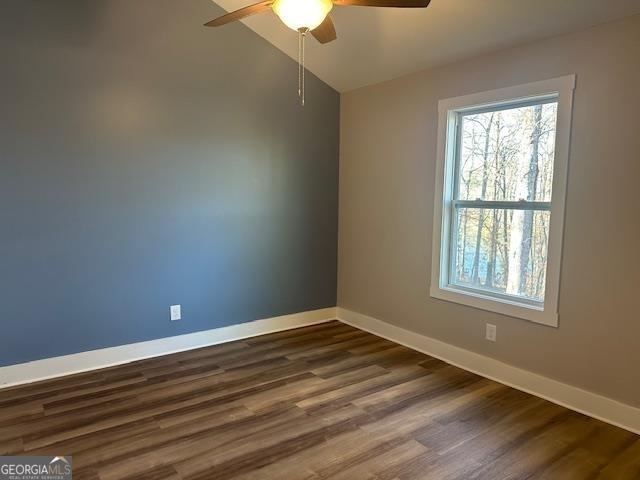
point(302, 14)
point(308, 16)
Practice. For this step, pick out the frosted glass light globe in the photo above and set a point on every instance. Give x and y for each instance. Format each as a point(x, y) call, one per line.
point(297, 14)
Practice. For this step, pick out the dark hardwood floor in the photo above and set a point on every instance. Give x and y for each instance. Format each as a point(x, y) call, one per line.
point(326, 401)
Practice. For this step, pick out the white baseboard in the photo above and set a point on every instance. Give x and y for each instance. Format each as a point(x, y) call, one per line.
point(106, 357)
point(574, 398)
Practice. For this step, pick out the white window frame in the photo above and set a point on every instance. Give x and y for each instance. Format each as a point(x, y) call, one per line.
point(560, 89)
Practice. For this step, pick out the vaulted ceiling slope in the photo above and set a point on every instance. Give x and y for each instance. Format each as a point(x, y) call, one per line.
point(377, 44)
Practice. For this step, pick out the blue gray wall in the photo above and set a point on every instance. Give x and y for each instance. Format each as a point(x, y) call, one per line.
point(146, 161)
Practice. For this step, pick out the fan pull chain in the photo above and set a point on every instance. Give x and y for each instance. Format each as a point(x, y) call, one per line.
point(302, 33)
point(300, 63)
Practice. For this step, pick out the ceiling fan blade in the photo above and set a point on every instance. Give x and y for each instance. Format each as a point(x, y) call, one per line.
point(240, 14)
point(325, 32)
point(384, 3)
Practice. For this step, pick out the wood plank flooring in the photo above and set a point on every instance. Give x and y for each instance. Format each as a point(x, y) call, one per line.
point(320, 402)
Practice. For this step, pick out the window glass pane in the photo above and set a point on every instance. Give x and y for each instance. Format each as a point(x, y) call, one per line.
point(501, 251)
point(507, 154)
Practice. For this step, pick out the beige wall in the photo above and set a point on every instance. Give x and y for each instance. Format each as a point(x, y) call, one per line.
point(388, 150)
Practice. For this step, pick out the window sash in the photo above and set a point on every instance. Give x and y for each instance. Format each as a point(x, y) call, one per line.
point(453, 247)
point(502, 205)
point(554, 98)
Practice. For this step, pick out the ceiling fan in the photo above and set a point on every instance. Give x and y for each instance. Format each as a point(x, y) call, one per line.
point(309, 16)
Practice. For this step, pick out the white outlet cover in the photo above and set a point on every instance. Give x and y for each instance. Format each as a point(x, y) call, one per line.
point(490, 333)
point(175, 312)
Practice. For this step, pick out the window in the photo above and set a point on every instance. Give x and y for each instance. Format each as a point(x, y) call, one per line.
point(499, 207)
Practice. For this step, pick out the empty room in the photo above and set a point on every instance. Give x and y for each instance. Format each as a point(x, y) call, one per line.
point(319, 239)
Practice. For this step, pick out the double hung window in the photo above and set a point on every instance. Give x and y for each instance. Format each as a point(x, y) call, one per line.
point(502, 161)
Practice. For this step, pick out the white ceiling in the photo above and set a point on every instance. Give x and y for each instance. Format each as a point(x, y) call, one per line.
point(376, 44)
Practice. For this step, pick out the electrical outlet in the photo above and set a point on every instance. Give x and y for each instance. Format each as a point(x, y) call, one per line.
point(175, 312)
point(490, 333)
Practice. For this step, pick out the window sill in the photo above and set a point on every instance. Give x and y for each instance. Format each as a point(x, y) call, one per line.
point(496, 305)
